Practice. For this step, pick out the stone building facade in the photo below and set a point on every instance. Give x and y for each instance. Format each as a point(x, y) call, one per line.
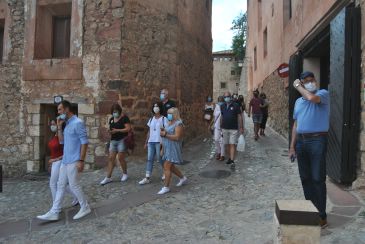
point(313, 35)
point(94, 54)
point(226, 73)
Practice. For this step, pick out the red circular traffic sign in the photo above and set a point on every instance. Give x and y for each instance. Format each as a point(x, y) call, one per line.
point(283, 70)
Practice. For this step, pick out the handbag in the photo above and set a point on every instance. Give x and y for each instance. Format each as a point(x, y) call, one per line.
point(130, 141)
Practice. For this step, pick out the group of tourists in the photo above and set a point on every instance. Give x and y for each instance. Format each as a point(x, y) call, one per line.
point(69, 144)
point(163, 142)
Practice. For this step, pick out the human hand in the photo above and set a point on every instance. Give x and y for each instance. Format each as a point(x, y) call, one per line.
point(113, 131)
point(145, 146)
point(80, 166)
point(242, 131)
point(292, 154)
point(297, 83)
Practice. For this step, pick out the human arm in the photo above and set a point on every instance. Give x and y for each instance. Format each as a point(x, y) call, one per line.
point(293, 142)
point(241, 124)
point(249, 110)
point(175, 137)
point(82, 134)
point(147, 138)
point(60, 130)
point(307, 95)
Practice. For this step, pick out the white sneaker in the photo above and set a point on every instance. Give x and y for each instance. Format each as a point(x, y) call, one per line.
point(163, 190)
point(106, 181)
point(144, 181)
point(182, 181)
point(49, 216)
point(82, 213)
point(124, 178)
point(163, 177)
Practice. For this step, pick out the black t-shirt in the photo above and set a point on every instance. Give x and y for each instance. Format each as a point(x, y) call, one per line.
point(118, 125)
point(169, 104)
point(230, 116)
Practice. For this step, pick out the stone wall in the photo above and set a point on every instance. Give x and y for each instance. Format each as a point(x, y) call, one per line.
point(122, 51)
point(277, 94)
point(14, 147)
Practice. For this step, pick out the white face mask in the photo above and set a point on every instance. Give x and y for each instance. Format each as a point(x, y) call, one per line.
point(156, 110)
point(53, 128)
point(311, 87)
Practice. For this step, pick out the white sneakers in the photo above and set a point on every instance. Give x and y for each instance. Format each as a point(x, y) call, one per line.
point(182, 181)
point(82, 213)
point(124, 178)
point(49, 216)
point(163, 190)
point(144, 181)
point(106, 181)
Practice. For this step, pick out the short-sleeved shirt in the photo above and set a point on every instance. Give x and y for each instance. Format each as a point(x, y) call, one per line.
point(312, 117)
point(55, 148)
point(155, 128)
point(120, 124)
point(230, 114)
point(166, 106)
point(255, 103)
point(74, 136)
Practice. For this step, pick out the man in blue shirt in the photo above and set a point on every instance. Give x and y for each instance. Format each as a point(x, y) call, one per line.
point(74, 138)
point(309, 140)
point(232, 126)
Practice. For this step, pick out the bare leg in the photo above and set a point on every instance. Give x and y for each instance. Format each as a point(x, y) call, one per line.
point(232, 151)
point(123, 163)
point(111, 163)
point(167, 170)
point(176, 171)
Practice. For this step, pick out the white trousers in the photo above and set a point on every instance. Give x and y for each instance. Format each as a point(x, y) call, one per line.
point(68, 174)
point(218, 139)
point(55, 172)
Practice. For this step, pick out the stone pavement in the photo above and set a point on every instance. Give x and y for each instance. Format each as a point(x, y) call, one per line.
point(236, 206)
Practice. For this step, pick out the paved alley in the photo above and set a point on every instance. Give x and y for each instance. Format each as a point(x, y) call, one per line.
point(235, 206)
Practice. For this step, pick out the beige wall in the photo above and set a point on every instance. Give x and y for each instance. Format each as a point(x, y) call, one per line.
point(222, 73)
point(282, 40)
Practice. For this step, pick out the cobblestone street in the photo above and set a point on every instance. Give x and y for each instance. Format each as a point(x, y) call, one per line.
point(234, 209)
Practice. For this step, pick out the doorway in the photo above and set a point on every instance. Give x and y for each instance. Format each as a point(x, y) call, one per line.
point(334, 56)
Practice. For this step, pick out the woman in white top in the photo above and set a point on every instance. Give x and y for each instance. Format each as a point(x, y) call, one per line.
point(218, 139)
point(153, 141)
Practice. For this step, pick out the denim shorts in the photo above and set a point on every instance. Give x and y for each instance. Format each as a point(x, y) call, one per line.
point(257, 118)
point(117, 146)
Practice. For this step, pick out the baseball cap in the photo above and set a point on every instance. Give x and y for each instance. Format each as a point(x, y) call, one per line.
point(306, 74)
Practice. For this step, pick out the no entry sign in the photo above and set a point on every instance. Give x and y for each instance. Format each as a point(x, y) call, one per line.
point(283, 70)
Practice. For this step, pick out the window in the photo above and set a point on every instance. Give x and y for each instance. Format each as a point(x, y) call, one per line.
point(53, 28)
point(233, 72)
point(265, 42)
point(287, 11)
point(61, 36)
point(2, 26)
point(223, 85)
point(255, 58)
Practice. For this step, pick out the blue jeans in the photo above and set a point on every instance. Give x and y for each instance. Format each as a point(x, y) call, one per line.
point(153, 151)
point(311, 154)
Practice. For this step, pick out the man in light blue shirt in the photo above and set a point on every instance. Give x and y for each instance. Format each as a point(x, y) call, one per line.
point(74, 138)
point(309, 140)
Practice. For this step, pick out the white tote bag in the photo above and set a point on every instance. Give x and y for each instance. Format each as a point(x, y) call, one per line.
point(241, 146)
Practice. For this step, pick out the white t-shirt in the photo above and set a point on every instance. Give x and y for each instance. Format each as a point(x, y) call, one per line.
point(155, 128)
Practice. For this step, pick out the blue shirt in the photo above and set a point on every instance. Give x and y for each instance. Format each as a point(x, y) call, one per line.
point(230, 114)
point(74, 136)
point(312, 117)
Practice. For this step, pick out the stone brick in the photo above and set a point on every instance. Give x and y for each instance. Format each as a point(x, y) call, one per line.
point(100, 151)
point(120, 85)
point(117, 3)
point(30, 166)
point(35, 130)
point(94, 132)
point(86, 108)
point(90, 121)
point(36, 119)
point(33, 108)
point(101, 161)
point(104, 107)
